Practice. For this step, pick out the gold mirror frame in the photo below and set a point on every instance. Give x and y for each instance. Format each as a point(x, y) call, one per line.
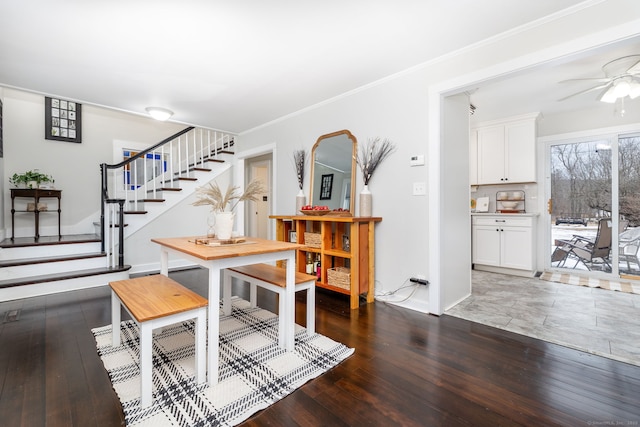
point(333, 164)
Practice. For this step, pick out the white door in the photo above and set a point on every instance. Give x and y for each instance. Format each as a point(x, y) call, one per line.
point(258, 212)
point(516, 244)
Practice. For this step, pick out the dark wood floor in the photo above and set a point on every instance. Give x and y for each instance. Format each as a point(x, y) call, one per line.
point(408, 369)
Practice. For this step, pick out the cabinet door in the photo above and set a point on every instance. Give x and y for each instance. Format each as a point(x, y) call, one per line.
point(486, 245)
point(520, 151)
point(491, 155)
point(516, 248)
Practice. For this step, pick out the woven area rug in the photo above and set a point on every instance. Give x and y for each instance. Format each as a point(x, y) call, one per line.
point(254, 371)
point(572, 279)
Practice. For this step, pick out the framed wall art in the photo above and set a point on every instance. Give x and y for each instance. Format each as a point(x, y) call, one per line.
point(326, 186)
point(62, 120)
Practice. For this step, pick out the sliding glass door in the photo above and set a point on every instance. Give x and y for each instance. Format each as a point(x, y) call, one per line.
point(594, 206)
point(629, 205)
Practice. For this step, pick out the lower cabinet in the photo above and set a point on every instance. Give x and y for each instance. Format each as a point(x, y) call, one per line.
point(503, 241)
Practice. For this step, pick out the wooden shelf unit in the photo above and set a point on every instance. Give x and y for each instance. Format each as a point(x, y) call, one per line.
point(359, 258)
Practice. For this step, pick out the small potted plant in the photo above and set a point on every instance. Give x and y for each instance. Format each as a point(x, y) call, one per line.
point(31, 179)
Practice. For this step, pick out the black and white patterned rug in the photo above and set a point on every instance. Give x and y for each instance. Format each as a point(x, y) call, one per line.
point(253, 374)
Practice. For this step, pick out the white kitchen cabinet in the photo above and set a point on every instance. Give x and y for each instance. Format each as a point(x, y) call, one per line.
point(504, 241)
point(506, 150)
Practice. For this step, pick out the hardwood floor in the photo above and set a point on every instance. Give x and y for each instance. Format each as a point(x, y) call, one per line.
point(408, 369)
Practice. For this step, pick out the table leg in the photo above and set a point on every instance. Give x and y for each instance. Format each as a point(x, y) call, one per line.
point(289, 311)
point(115, 320)
point(214, 324)
point(164, 262)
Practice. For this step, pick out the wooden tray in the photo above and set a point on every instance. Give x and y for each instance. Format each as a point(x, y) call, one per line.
point(311, 212)
point(208, 241)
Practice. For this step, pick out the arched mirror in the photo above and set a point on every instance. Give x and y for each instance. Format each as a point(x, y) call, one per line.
point(333, 161)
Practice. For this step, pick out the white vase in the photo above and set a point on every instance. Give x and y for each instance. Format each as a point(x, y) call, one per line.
point(224, 225)
point(365, 202)
point(301, 200)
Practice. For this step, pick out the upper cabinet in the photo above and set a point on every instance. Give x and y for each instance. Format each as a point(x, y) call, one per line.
point(505, 151)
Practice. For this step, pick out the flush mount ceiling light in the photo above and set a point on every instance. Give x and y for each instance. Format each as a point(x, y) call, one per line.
point(159, 113)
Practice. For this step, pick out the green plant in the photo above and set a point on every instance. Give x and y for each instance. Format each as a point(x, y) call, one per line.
point(29, 177)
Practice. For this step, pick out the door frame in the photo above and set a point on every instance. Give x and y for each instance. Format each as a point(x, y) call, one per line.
point(240, 175)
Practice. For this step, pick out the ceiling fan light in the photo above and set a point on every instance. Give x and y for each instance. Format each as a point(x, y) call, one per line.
point(634, 92)
point(159, 113)
point(609, 96)
point(621, 89)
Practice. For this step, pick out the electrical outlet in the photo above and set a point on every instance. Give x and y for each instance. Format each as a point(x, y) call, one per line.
point(419, 188)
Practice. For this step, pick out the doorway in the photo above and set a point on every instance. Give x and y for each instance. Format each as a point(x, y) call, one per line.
point(257, 213)
point(594, 208)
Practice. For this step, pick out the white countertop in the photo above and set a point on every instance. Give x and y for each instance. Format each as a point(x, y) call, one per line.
point(532, 214)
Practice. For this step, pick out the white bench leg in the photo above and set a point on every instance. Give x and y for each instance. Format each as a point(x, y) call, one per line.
point(201, 345)
point(146, 363)
point(311, 310)
point(253, 295)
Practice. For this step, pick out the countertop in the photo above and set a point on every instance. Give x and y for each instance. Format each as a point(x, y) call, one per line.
point(532, 214)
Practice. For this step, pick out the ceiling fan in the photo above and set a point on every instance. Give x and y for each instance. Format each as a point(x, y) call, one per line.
point(622, 78)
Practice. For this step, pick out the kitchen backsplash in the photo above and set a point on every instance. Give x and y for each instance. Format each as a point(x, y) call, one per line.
point(490, 191)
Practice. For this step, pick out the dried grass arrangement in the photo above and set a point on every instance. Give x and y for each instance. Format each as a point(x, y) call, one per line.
point(371, 155)
point(299, 161)
point(212, 195)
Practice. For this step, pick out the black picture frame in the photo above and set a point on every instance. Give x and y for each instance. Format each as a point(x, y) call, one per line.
point(326, 187)
point(62, 120)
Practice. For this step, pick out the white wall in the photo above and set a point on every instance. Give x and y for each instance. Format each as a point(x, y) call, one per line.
point(75, 167)
point(399, 108)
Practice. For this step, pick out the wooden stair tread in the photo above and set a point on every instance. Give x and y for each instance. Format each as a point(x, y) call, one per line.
point(153, 200)
point(62, 276)
point(171, 189)
point(135, 212)
point(20, 242)
point(42, 260)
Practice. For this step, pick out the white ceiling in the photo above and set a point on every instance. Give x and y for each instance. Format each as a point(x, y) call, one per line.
point(234, 65)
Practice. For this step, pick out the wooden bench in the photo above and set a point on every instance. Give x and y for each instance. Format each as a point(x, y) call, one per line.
point(154, 302)
point(274, 279)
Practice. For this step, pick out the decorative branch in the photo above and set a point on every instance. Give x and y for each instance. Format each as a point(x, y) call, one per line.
point(211, 195)
point(299, 161)
point(371, 155)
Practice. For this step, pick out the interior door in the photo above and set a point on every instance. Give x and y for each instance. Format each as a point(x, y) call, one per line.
point(258, 212)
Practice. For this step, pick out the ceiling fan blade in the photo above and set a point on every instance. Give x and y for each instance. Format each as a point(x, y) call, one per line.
point(586, 91)
point(634, 69)
point(593, 79)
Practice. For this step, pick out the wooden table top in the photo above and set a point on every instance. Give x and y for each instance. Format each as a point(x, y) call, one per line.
point(252, 246)
point(151, 297)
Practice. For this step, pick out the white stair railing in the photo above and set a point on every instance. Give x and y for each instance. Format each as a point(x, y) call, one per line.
point(144, 176)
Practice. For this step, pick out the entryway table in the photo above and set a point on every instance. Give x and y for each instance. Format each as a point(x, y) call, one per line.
point(215, 259)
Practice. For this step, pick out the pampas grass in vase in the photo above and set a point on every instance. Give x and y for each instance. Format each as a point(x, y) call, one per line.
point(368, 159)
point(299, 161)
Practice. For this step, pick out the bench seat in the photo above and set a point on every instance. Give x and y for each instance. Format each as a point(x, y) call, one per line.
point(153, 302)
point(274, 279)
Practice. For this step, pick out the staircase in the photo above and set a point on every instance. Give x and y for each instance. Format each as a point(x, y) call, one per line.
point(145, 185)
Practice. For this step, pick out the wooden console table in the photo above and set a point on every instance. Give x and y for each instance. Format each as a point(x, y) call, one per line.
point(341, 242)
point(36, 194)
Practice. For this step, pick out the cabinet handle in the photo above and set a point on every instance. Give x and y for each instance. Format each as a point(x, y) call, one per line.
point(501, 220)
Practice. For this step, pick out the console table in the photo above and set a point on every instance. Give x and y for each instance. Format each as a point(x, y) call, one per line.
point(343, 244)
point(36, 194)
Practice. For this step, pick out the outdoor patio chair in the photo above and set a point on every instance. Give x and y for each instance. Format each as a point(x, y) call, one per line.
point(629, 245)
point(584, 250)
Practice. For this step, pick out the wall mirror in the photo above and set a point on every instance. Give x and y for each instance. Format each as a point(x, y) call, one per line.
point(333, 160)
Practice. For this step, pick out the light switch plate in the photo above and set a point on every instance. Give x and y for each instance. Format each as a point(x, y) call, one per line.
point(419, 188)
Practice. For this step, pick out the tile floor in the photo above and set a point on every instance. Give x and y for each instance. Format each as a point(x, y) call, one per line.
point(598, 321)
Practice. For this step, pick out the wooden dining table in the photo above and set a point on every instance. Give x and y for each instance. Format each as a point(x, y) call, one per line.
point(215, 259)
